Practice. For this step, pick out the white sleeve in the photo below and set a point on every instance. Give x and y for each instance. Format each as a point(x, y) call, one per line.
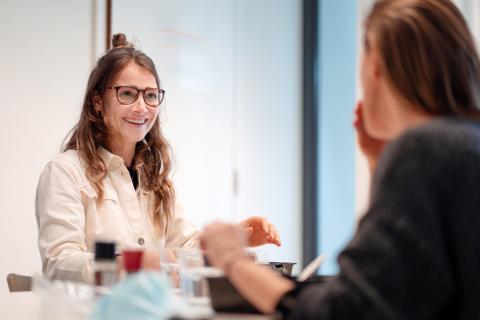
point(61, 226)
point(181, 232)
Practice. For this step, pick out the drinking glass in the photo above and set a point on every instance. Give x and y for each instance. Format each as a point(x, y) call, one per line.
point(193, 275)
point(170, 265)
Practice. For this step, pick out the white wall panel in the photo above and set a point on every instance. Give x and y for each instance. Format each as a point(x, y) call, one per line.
point(45, 59)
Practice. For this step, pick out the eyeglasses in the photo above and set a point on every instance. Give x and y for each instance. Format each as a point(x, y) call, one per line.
point(128, 95)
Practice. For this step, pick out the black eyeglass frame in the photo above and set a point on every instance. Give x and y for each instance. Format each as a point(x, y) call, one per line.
point(160, 92)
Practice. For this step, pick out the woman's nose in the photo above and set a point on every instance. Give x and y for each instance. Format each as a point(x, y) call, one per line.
point(140, 106)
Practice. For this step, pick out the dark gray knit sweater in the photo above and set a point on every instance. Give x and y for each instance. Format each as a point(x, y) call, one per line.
point(416, 253)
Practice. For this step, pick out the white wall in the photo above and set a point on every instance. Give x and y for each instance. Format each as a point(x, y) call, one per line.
point(45, 58)
point(268, 119)
point(192, 45)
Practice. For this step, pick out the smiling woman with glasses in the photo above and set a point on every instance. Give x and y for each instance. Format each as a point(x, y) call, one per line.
point(113, 179)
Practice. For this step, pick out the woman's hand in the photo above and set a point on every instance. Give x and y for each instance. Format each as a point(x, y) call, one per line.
point(372, 148)
point(225, 248)
point(260, 231)
point(224, 244)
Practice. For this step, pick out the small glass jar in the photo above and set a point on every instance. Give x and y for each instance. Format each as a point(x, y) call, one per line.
point(105, 264)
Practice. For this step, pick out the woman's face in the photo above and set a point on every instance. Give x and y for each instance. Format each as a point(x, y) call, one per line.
point(128, 124)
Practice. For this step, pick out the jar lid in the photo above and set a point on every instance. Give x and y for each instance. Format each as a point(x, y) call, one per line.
point(104, 250)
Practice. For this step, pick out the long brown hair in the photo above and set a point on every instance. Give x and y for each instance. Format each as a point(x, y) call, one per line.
point(428, 54)
point(152, 155)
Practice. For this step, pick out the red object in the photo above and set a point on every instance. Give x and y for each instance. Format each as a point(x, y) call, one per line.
point(132, 259)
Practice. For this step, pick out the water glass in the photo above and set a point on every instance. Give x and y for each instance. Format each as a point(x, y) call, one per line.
point(170, 265)
point(193, 276)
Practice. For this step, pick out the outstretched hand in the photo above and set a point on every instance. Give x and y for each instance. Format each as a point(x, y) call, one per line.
point(260, 231)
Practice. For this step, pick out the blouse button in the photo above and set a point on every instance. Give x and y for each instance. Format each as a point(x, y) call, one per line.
point(141, 241)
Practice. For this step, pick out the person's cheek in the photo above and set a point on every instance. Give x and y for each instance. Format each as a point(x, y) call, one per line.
point(107, 122)
point(153, 119)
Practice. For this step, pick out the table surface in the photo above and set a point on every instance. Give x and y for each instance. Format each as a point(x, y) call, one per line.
point(28, 305)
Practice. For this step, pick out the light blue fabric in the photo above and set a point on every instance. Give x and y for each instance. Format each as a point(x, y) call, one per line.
point(144, 295)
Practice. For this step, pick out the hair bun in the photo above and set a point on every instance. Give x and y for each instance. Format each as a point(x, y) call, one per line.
point(119, 40)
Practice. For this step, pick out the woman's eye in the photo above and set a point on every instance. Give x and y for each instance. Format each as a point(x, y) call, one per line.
point(127, 93)
point(151, 96)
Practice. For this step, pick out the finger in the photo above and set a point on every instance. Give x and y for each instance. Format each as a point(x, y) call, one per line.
point(277, 239)
point(249, 231)
point(271, 233)
point(359, 126)
point(357, 109)
point(358, 119)
point(274, 237)
point(265, 226)
point(276, 242)
point(272, 230)
point(360, 108)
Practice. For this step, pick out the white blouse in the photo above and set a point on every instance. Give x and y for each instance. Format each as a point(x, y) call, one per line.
point(69, 219)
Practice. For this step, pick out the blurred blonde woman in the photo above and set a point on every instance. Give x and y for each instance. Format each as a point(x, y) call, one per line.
point(416, 252)
point(112, 180)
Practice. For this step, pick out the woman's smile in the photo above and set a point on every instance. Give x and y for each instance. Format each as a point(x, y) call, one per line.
point(136, 122)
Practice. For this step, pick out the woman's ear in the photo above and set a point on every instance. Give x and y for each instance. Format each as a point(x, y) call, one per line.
point(97, 103)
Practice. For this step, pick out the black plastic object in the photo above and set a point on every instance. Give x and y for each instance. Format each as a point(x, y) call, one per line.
point(225, 298)
point(104, 250)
